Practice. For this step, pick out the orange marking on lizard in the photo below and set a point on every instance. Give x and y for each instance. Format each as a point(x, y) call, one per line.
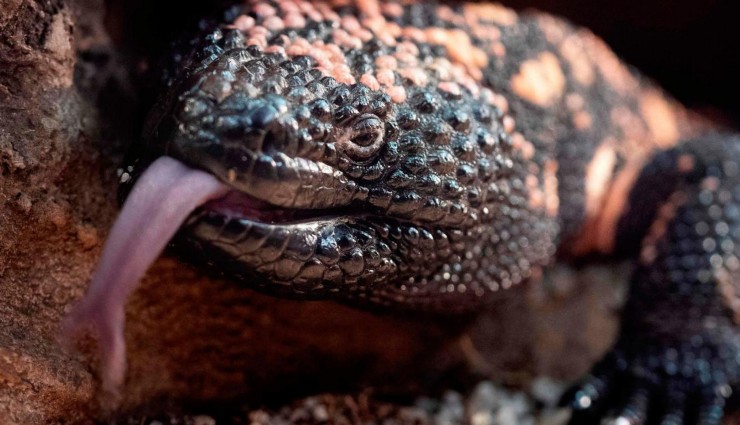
point(243, 23)
point(461, 68)
point(710, 183)
point(686, 163)
point(581, 68)
point(633, 130)
point(660, 118)
point(491, 12)
point(606, 204)
point(553, 29)
point(540, 80)
point(392, 9)
point(582, 120)
point(552, 199)
point(274, 23)
point(370, 81)
point(459, 46)
point(386, 62)
point(452, 88)
point(445, 13)
point(397, 94)
point(610, 68)
point(659, 226)
point(570, 46)
point(523, 145)
point(386, 77)
point(639, 139)
point(536, 195)
point(263, 10)
point(295, 20)
point(615, 206)
point(501, 102)
point(368, 7)
point(598, 173)
point(345, 39)
point(498, 49)
point(509, 124)
point(417, 76)
point(574, 102)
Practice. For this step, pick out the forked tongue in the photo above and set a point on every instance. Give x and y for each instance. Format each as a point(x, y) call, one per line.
point(163, 197)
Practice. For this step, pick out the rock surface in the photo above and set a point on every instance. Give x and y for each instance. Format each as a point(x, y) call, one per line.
point(486, 404)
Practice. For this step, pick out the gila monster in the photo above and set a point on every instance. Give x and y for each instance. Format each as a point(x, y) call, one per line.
point(422, 157)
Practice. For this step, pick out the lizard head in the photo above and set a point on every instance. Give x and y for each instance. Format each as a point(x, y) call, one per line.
point(336, 188)
point(314, 155)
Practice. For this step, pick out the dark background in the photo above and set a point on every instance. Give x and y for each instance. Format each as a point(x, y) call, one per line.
point(691, 47)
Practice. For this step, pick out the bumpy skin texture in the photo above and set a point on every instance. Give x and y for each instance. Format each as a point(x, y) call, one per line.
point(424, 156)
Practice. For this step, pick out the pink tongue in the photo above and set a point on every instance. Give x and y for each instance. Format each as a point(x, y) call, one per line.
point(159, 203)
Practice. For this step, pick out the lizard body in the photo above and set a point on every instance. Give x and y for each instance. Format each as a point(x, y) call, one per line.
point(423, 156)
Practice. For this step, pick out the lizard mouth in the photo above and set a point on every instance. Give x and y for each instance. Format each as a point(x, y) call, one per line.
point(242, 206)
point(167, 196)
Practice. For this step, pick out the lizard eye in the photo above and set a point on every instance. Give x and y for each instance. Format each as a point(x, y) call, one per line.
point(365, 137)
